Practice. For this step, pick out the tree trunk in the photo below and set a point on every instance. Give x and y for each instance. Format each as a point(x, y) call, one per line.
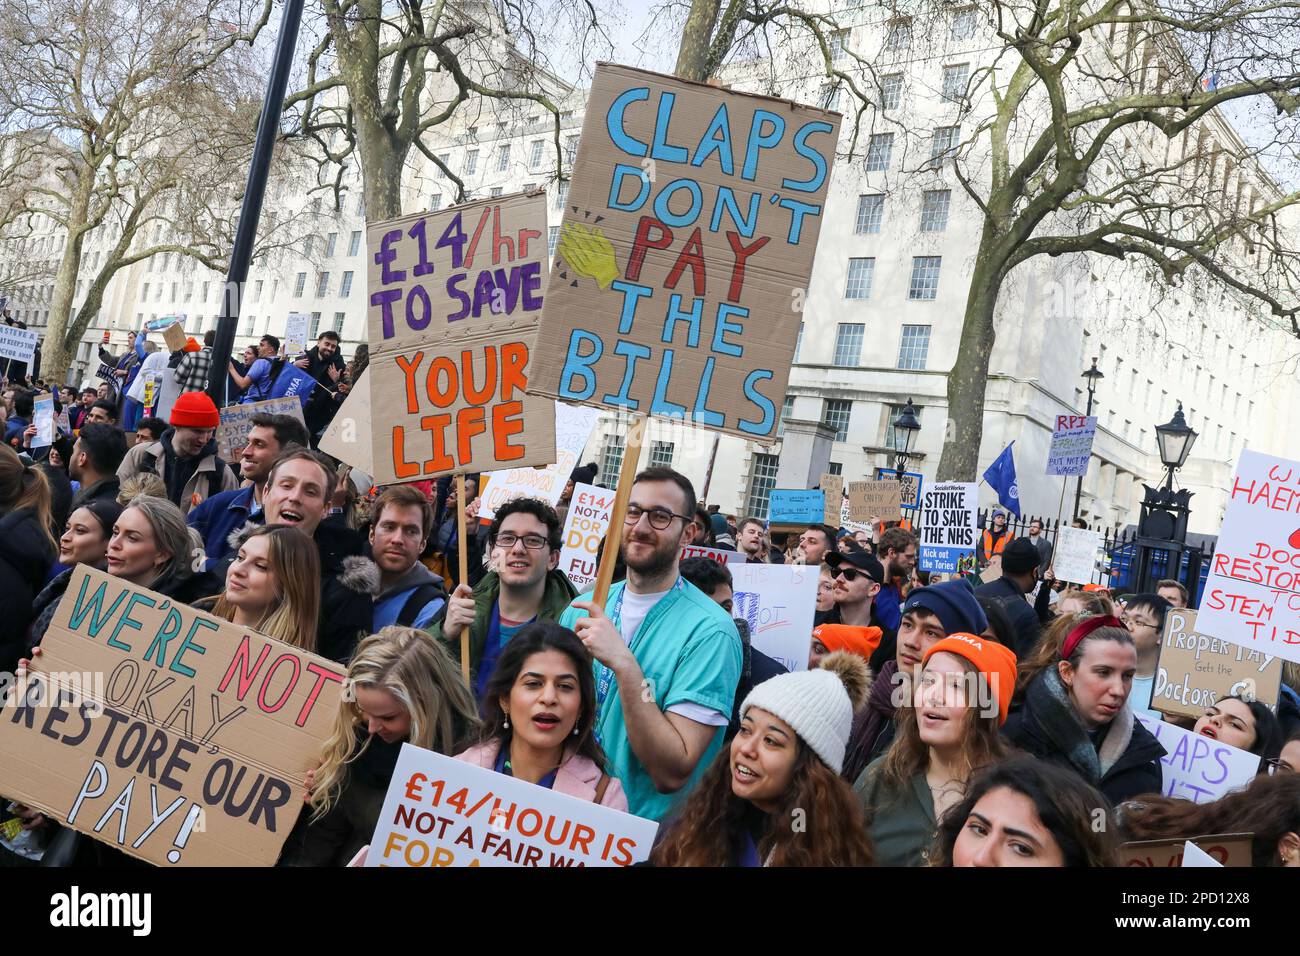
point(62, 335)
point(693, 52)
point(969, 376)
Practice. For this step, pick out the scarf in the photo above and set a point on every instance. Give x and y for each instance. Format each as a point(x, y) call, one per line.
point(1048, 701)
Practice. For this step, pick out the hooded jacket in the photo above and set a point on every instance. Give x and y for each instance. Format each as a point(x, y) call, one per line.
point(873, 726)
point(217, 518)
point(189, 480)
point(392, 599)
point(559, 592)
point(1124, 764)
point(26, 555)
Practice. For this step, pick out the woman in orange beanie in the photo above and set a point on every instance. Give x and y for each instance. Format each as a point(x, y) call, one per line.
point(829, 638)
point(952, 730)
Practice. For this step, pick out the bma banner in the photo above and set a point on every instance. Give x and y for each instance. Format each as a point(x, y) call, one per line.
point(573, 425)
point(237, 420)
point(454, 303)
point(1252, 593)
point(948, 527)
point(778, 602)
point(1071, 448)
point(1196, 767)
point(1196, 669)
point(164, 732)
point(683, 259)
point(440, 811)
point(584, 526)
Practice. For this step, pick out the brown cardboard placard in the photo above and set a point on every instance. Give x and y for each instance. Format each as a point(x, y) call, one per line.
point(1196, 669)
point(878, 498)
point(178, 738)
point(174, 336)
point(348, 436)
point(685, 250)
point(455, 298)
point(236, 420)
point(832, 487)
point(1230, 849)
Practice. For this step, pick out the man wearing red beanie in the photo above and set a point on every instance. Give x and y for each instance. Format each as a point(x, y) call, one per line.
point(185, 456)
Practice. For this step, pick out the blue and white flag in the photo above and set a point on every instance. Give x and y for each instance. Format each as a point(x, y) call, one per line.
point(1001, 476)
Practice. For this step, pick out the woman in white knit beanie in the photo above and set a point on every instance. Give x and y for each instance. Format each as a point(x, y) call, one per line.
point(775, 797)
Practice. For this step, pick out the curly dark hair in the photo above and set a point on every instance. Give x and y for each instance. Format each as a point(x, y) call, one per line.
point(710, 828)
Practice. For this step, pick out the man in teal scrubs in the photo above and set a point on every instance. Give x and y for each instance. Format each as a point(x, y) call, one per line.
point(667, 657)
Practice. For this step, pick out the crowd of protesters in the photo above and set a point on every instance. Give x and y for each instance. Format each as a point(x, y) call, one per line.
point(954, 722)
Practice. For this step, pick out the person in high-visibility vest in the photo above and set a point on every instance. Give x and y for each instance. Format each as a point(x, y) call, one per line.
point(994, 539)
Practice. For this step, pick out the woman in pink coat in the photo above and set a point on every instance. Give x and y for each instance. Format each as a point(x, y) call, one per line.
point(539, 716)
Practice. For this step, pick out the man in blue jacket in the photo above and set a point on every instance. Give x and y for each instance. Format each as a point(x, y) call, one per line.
point(218, 516)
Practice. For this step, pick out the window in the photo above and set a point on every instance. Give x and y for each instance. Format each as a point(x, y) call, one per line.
point(787, 408)
point(834, 468)
point(964, 23)
point(798, 342)
point(503, 157)
point(838, 41)
point(561, 194)
point(944, 144)
point(870, 210)
point(445, 159)
point(539, 148)
point(934, 209)
point(354, 243)
point(861, 272)
point(954, 82)
point(848, 343)
point(495, 191)
point(836, 416)
point(361, 206)
point(322, 286)
point(895, 413)
point(879, 150)
point(925, 277)
point(307, 245)
point(661, 454)
point(471, 162)
point(611, 461)
point(331, 241)
point(552, 235)
point(435, 202)
point(830, 96)
point(144, 292)
point(571, 149)
point(248, 324)
point(205, 289)
point(338, 321)
point(345, 288)
point(900, 35)
point(300, 285)
point(914, 347)
point(315, 326)
point(174, 285)
point(157, 292)
point(762, 479)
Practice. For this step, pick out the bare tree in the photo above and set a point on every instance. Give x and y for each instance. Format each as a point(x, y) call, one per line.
point(139, 116)
point(1093, 127)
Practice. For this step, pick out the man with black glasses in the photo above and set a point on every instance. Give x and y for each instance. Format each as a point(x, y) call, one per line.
point(523, 585)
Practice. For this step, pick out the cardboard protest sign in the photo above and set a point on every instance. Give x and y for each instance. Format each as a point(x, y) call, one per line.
point(1071, 448)
point(454, 301)
point(43, 419)
point(833, 502)
point(18, 344)
point(788, 507)
point(1076, 555)
point(1252, 593)
point(875, 499)
point(911, 484)
point(174, 337)
point(348, 436)
point(236, 420)
point(721, 555)
point(1227, 849)
point(295, 333)
point(584, 526)
point(947, 525)
point(573, 425)
point(440, 811)
point(1194, 856)
point(1196, 669)
point(778, 602)
point(169, 734)
point(685, 250)
point(1196, 767)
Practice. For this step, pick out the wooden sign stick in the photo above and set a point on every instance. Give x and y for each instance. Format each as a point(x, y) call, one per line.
point(614, 537)
point(463, 558)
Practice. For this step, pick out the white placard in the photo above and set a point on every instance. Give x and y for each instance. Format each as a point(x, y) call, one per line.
point(1075, 555)
point(43, 419)
point(778, 602)
point(18, 344)
point(948, 526)
point(295, 334)
point(584, 526)
point(573, 425)
point(1198, 768)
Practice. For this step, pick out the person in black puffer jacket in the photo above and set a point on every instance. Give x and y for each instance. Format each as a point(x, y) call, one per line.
point(1076, 713)
point(27, 547)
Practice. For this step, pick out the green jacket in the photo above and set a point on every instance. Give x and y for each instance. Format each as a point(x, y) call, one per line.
point(559, 592)
point(901, 825)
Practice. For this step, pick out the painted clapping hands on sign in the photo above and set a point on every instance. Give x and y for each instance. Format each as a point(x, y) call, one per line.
point(587, 252)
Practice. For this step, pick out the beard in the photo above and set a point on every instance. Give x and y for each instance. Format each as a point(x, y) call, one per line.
point(657, 562)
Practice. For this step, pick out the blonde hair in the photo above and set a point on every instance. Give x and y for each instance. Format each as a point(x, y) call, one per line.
point(415, 669)
point(26, 487)
point(170, 534)
point(145, 483)
point(295, 566)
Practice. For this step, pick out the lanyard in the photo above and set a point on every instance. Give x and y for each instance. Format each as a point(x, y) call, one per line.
point(606, 675)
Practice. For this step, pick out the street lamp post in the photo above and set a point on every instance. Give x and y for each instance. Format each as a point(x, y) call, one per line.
point(1162, 525)
point(1092, 375)
point(905, 429)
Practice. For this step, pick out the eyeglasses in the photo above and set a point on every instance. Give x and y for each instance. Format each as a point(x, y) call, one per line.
point(1278, 765)
point(507, 539)
point(1136, 622)
point(659, 518)
point(851, 574)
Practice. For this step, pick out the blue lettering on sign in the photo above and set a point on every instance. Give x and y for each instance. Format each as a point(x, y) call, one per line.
point(621, 172)
point(614, 121)
point(577, 365)
point(814, 183)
